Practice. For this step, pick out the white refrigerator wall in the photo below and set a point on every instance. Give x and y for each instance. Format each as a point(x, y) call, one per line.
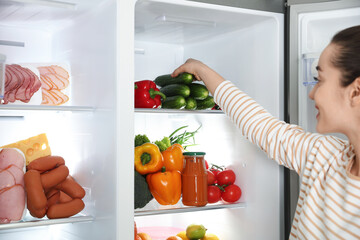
point(86, 138)
point(232, 42)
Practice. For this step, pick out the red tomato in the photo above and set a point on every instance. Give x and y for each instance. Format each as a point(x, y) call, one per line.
point(226, 177)
point(215, 171)
point(211, 179)
point(231, 193)
point(206, 165)
point(214, 194)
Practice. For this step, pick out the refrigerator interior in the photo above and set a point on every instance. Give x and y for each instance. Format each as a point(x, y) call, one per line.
point(81, 131)
point(245, 47)
point(315, 32)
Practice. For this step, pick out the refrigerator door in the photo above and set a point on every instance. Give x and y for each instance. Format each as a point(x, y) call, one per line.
point(311, 25)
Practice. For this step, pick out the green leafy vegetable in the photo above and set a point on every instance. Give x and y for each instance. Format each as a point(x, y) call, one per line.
point(163, 144)
point(185, 139)
point(140, 139)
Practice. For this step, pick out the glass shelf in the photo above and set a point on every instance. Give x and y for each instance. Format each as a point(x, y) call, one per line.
point(184, 209)
point(47, 108)
point(34, 222)
point(177, 111)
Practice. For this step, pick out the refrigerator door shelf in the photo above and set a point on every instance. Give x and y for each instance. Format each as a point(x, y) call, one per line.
point(176, 111)
point(179, 208)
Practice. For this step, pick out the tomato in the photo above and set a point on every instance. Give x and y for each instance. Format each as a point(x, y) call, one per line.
point(214, 194)
point(231, 193)
point(206, 165)
point(211, 179)
point(226, 177)
point(215, 171)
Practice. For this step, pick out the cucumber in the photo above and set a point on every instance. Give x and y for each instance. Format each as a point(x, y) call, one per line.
point(206, 103)
point(183, 78)
point(198, 91)
point(174, 102)
point(190, 103)
point(175, 89)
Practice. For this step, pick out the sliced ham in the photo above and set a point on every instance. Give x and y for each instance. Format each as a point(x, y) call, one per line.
point(17, 173)
point(54, 77)
point(6, 179)
point(54, 97)
point(12, 203)
point(11, 156)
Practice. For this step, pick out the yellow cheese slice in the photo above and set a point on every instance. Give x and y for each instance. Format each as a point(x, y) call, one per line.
point(33, 148)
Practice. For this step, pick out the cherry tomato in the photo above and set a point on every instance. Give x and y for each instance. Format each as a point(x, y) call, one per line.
point(206, 165)
point(214, 194)
point(226, 177)
point(211, 179)
point(231, 193)
point(215, 171)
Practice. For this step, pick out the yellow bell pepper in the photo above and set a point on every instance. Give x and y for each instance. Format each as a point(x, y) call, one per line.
point(173, 157)
point(165, 186)
point(148, 158)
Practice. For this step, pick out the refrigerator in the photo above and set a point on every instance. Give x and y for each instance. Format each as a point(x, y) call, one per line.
point(107, 46)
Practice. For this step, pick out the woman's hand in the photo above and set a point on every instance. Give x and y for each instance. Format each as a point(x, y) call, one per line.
point(190, 66)
point(201, 72)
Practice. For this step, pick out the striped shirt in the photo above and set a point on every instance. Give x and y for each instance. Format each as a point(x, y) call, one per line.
point(329, 201)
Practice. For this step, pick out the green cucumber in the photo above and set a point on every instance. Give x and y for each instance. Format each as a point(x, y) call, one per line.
point(206, 103)
point(198, 91)
point(190, 103)
point(175, 89)
point(174, 102)
point(183, 78)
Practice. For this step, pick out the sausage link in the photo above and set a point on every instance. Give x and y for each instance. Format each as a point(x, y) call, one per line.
point(47, 163)
point(51, 192)
point(53, 177)
point(34, 189)
point(35, 213)
point(71, 188)
point(64, 210)
point(64, 197)
point(53, 199)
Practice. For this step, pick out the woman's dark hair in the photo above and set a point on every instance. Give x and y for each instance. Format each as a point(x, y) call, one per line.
point(347, 56)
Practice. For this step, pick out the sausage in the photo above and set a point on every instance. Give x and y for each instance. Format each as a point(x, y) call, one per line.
point(64, 210)
point(35, 213)
point(53, 199)
point(64, 197)
point(47, 163)
point(51, 192)
point(53, 177)
point(34, 189)
point(71, 188)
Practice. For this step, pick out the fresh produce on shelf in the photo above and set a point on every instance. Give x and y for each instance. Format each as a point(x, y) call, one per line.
point(165, 186)
point(221, 185)
point(140, 139)
point(176, 90)
point(206, 103)
point(174, 102)
point(173, 157)
point(147, 95)
point(191, 103)
point(231, 193)
point(174, 238)
point(195, 231)
point(163, 144)
point(142, 192)
point(183, 138)
point(148, 158)
point(144, 236)
point(33, 147)
point(12, 192)
point(182, 78)
point(198, 91)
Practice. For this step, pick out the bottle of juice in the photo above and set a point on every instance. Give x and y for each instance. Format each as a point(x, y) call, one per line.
point(194, 179)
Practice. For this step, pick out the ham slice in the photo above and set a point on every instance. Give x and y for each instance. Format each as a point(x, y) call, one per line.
point(12, 192)
point(54, 77)
point(54, 97)
point(12, 203)
point(20, 84)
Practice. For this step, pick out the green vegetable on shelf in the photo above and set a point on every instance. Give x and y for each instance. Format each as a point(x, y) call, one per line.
point(142, 193)
point(163, 144)
point(184, 78)
point(140, 139)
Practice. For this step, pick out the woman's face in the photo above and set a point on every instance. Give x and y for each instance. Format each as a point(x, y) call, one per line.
point(329, 96)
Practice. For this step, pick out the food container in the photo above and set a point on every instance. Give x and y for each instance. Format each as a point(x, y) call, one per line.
point(194, 179)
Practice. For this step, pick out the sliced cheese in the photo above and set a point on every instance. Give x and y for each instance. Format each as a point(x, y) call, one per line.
point(33, 148)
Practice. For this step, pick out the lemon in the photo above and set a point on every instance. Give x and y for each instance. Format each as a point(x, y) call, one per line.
point(195, 231)
point(210, 236)
point(182, 234)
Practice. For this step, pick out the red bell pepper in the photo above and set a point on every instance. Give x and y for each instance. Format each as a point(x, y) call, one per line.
point(147, 95)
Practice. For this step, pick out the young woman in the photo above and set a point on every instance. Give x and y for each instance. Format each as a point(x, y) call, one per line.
point(329, 168)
